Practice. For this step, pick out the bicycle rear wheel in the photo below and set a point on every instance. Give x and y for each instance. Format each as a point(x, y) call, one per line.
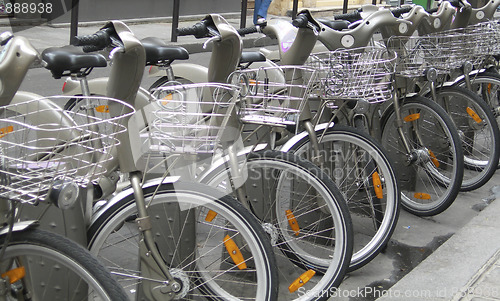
point(304, 214)
point(56, 269)
point(430, 175)
point(214, 247)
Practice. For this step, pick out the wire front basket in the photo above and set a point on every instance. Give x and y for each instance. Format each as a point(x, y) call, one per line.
point(190, 119)
point(44, 146)
point(273, 96)
point(360, 73)
point(444, 51)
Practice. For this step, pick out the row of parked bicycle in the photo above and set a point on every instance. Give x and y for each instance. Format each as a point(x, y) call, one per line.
point(264, 170)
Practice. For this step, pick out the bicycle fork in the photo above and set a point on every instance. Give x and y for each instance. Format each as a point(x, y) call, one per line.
point(152, 264)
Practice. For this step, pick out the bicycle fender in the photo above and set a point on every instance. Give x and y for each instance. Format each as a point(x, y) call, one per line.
point(130, 192)
point(192, 72)
point(98, 86)
point(296, 138)
point(19, 227)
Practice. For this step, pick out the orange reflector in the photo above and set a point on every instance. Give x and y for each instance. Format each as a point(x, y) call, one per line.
point(474, 115)
point(422, 196)
point(210, 216)
point(167, 98)
point(412, 117)
point(489, 88)
point(303, 279)
point(102, 109)
point(433, 158)
point(235, 253)
point(4, 131)
point(252, 82)
point(15, 274)
point(293, 222)
point(377, 185)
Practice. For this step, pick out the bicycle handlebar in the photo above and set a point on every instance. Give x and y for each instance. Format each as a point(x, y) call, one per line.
point(94, 42)
point(248, 30)
point(300, 21)
point(351, 17)
point(199, 30)
point(401, 10)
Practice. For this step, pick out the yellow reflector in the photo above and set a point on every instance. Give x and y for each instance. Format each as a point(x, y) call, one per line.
point(4, 131)
point(377, 185)
point(210, 216)
point(434, 158)
point(15, 274)
point(412, 117)
point(235, 253)
point(474, 115)
point(422, 196)
point(303, 279)
point(292, 221)
point(102, 109)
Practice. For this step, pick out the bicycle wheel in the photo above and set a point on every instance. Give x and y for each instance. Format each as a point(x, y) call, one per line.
point(364, 175)
point(55, 269)
point(429, 175)
point(305, 215)
point(486, 85)
point(479, 131)
point(214, 248)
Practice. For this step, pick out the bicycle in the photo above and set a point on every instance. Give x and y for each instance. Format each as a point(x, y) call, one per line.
point(326, 190)
point(154, 273)
point(39, 164)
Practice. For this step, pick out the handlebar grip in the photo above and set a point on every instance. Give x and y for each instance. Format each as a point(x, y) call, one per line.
point(351, 17)
point(401, 10)
point(432, 10)
point(91, 48)
point(455, 3)
point(300, 21)
point(248, 30)
point(199, 30)
point(98, 40)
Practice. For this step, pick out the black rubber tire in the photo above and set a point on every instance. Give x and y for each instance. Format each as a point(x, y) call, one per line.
point(36, 243)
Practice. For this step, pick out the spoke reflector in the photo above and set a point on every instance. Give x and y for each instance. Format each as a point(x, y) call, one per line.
point(422, 196)
point(434, 158)
point(292, 221)
point(303, 279)
point(210, 216)
point(377, 185)
point(102, 109)
point(412, 117)
point(474, 115)
point(235, 253)
point(15, 274)
point(4, 131)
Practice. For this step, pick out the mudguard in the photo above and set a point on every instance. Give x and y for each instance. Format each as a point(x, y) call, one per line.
point(192, 72)
point(98, 86)
point(19, 227)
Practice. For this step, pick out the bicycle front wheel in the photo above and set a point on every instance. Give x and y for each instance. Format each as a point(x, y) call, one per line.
point(304, 214)
point(430, 173)
point(55, 269)
point(362, 171)
point(478, 130)
point(214, 248)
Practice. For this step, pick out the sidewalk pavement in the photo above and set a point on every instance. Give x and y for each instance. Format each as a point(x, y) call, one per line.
point(466, 267)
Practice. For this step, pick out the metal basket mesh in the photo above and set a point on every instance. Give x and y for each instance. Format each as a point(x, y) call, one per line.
point(443, 51)
point(189, 119)
point(273, 95)
point(43, 145)
point(359, 73)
